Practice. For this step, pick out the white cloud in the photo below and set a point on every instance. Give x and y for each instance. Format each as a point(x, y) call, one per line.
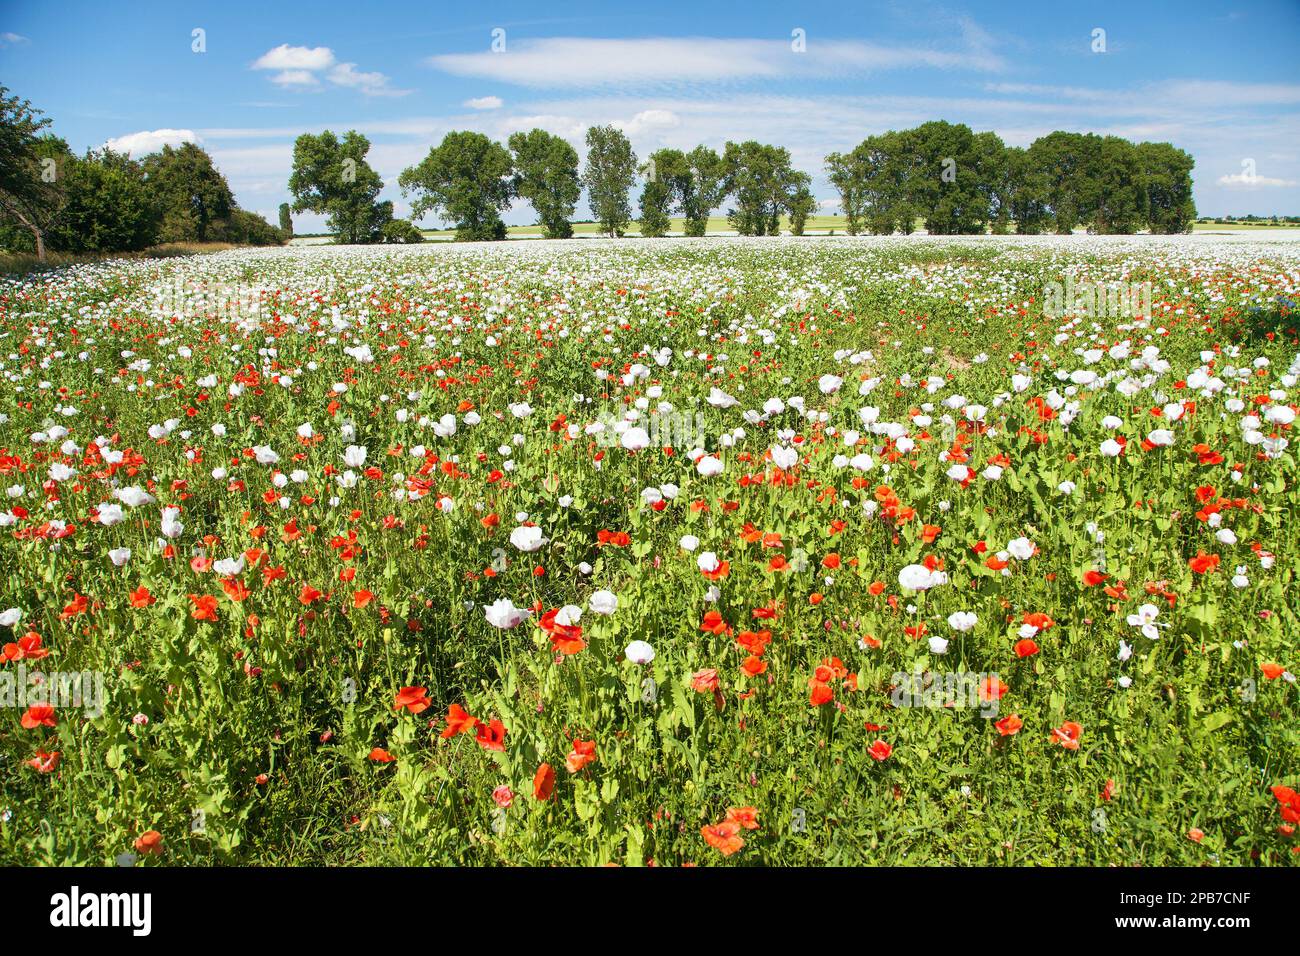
point(371, 84)
point(150, 141)
point(648, 121)
point(295, 78)
point(285, 57)
point(484, 103)
point(302, 68)
point(578, 62)
point(12, 39)
point(1245, 180)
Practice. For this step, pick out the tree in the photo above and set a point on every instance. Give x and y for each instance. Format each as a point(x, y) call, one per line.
point(286, 221)
point(763, 184)
point(991, 169)
point(1118, 191)
point(801, 205)
point(657, 193)
point(546, 174)
point(248, 229)
point(609, 174)
point(402, 231)
point(1167, 172)
point(107, 206)
point(465, 180)
point(190, 192)
point(1062, 160)
point(29, 191)
point(847, 174)
point(331, 177)
point(943, 180)
point(1025, 193)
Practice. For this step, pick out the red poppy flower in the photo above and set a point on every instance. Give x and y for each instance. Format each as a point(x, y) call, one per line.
point(723, 837)
point(205, 607)
point(1009, 725)
point(705, 681)
point(1067, 735)
point(414, 699)
point(747, 817)
point(458, 722)
point(880, 750)
point(583, 753)
point(43, 762)
point(543, 782)
point(149, 843)
point(492, 736)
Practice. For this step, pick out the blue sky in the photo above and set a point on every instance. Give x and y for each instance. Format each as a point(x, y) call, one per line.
point(1220, 80)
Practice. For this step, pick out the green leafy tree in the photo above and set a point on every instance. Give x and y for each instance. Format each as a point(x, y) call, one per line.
point(331, 177)
point(697, 182)
point(657, 194)
point(1025, 193)
point(1120, 195)
point(1063, 160)
point(609, 174)
point(466, 180)
point(848, 175)
point(30, 194)
point(546, 174)
point(402, 231)
point(246, 228)
point(191, 193)
point(286, 221)
point(1167, 172)
point(945, 177)
point(107, 206)
point(802, 203)
point(763, 184)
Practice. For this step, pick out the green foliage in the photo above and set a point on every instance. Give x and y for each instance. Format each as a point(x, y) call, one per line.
point(246, 228)
point(465, 180)
point(331, 177)
point(107, 206)
point(1167, 172)
point(402, 231)
point(29, 192)
point(286, 221)
point(191, 194)
point(763, 185)
point(656, 197)
point(609, 174)
point(546, 174)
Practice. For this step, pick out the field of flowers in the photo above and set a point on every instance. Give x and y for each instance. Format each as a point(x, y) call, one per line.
point(713, 552)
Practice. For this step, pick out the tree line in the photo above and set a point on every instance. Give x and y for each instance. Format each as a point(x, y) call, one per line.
point(958, 181)
point(944, 175)
point(104, 201)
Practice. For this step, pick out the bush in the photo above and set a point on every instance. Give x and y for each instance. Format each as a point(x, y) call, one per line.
point(402, 231)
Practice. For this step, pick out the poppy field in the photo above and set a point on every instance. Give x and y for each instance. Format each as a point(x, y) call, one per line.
point(706, 552)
